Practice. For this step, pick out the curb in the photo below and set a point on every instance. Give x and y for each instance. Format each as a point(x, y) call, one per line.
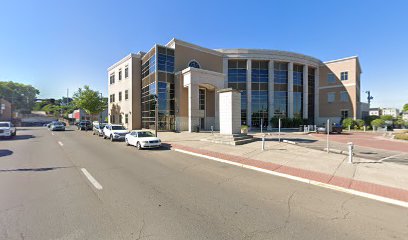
point(362, 189)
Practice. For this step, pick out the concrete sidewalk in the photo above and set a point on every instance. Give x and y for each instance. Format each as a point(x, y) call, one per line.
point(382, 179)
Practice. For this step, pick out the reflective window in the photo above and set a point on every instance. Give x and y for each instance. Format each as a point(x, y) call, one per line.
point(126, 72)
point(344, 76)
point(280, 89)
point(344, 97)
point(165, 60)
point(126, 118)
point(120, 96)
point(259, 93)
point(112, 78)
point(126, 94)
point(331, 97)
point(194, 64)
point(311, 95)
point(280, 100)
point(201, 99)
point(120, 74)
point(331, 78)
point(237, 74)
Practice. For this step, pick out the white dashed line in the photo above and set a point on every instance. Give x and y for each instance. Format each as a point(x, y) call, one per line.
point(91, 179)
point(60, 143)
point(52, 134)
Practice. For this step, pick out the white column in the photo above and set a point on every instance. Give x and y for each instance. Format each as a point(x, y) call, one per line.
point(193, 108)
point(317, 91)
point(305, 91)
point(249, 93)
point(225, 71)
point(290, 90)
point(271, 82)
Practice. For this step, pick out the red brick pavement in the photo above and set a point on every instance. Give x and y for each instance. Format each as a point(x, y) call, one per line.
point(376, 189)
point(367, 140)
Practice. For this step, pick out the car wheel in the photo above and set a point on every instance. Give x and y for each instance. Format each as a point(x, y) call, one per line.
point(111, 138)
point(139, 147)
point(104, 136)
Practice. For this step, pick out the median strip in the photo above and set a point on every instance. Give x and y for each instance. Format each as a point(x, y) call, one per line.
point(91, 179)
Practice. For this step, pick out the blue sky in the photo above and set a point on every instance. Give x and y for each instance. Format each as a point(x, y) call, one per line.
point(55, 45)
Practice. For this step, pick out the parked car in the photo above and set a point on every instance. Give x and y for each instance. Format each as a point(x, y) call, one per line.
point(57, 126)
point(142, 139)
point(98, 129)
point(334, 128)
point(84, 125)
point(7, 129)
point(114, 132)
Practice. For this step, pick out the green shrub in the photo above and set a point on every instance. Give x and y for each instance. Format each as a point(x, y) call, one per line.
point(244, 127)
point(360, 123)
point(378, 123)
point(386, 117)
point(288, 122)
point(348, 122)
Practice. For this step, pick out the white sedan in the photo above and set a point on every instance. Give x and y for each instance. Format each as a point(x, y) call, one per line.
point(142, 139)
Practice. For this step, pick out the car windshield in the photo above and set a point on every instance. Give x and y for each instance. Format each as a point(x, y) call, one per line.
point(58, 123)
point(145, 134)
point(118, 128)
point(4, 125)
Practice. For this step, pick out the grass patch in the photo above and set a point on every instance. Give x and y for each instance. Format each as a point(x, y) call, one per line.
point(401, 136)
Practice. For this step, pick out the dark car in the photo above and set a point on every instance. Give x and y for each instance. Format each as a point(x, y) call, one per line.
point(334, 128)
point(84, 125)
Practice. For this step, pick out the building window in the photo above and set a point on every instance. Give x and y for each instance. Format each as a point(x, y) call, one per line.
point(331, 78)
point(331, 96)
point(194, 64)
point(297, 91)
point(344, 114)
point(237, 80)
point(281, 89)
point(259, 91)
point(126, 94)
point(120, 96)
point(126, 72)
point(120, 118)
point(201, 99)
point(344, 96)
point(344, 76)
point(120, 74)
point(112, 78)
point(112, 98)
point(165, 60)
point(126, 118)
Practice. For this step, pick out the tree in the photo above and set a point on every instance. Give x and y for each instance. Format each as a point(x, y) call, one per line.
point(405, 107)
point(89, 100)
point(21, 96)
point(378, 123)
point(348, 122)
point(387, 117)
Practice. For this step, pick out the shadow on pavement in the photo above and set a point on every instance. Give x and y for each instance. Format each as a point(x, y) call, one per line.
point(31, 169)
point(5, 152)
point(19, 137)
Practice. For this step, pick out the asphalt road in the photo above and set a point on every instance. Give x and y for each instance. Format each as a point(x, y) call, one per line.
point(161, 194)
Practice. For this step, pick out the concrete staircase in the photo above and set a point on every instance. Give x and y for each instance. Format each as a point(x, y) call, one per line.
point(233, 139)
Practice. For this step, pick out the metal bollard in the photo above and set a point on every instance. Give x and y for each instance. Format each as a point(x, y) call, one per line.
point(263, 142)
point(212, 130)
point(351, 149)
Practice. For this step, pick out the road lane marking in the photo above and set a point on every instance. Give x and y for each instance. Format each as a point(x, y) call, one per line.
point(304, 180)
point(60, 143)
point(52, 134)
point(393, 156)
point(91, 179)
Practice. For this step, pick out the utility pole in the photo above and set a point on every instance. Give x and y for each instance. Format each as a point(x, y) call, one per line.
point(369, 97)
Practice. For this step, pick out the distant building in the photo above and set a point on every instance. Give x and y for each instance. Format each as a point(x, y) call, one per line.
point(80, 115)
point(394, 112)
point(375, 112)
point(5, 110)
